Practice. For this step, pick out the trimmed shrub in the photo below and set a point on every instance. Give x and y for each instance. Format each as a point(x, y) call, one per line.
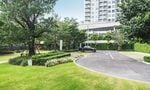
point(6, 52)
point(54, 62)
point(145, 48)
point(42, 61)
point(52, 53)
point(39, 59)
point(128, 46)
point(147, 59)
point(19, 61)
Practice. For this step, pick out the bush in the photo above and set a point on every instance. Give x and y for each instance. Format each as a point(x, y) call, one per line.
point(128, 46)
point(39, 59)
point(147, 59)
point(42, 61)
point(6, 52)
point(142, 47)
point(23, 61)
point(54, 62)
point(112, 46)
point(52, 53)
point(72, 50)
point(105, 46)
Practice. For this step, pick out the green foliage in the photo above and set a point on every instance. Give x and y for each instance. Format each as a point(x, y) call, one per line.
point(142, 47)
point(113, 46)
point(94, 37)
point(107, 36)
point(147, 59)
point(54, 62)
point(27, 18)
point(39, 59)
point(19, 61)
point(52, 53)
point(1, 23)
point(119, 38)
point(5, 52)
point(43, 60)
point(128, 46)
point(105, 46)
point(67, 31)
point(135, 19)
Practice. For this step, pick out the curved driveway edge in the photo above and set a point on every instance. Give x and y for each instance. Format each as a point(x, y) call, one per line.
point(117, 65)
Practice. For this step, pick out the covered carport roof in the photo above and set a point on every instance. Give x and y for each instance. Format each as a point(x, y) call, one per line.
point(98, 25)
point(98, 41)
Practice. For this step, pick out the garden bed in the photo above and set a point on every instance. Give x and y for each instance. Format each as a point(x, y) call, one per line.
point(39, 59)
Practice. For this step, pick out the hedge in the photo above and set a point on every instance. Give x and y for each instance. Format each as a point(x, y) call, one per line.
point(142, 47)
point(6, 52)
point(38, 59)
point(19, 61)
point(112, 46)
point(42, 61)
point(147, 59)
point(52, 53)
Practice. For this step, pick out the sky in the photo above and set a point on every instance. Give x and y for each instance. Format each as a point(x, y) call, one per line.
point(70, 8)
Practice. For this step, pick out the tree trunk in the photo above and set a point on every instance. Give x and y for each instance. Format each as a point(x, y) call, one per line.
point(119, 47)
point(32, 39)
point(32, 46)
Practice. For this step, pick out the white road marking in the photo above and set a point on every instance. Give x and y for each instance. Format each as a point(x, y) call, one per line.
point(111, 55)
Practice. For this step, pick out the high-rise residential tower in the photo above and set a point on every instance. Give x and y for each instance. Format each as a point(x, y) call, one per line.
point(101, 11)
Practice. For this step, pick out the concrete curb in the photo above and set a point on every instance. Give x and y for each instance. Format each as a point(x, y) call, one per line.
point(146, 63)
point(109, 74)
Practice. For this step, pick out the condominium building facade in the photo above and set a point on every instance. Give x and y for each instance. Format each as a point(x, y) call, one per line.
point(101, 11)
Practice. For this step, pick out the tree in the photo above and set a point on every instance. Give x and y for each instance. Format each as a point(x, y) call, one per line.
point(135, 18)
point(108, 37)
point(66, 30)
point(119, 38)
point(28, 15)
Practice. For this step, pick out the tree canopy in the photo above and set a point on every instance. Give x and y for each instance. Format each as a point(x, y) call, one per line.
point(66, 30)
point(135, 18)
point(28, 16)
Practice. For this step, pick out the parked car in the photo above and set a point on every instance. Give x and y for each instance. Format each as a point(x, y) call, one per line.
point(87, 48)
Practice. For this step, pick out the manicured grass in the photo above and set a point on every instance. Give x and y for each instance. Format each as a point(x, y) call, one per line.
point(135, 55)
point(61, 77)
point(8, 56)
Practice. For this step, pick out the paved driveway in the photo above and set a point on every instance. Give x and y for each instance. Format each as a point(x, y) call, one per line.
point(116, 64)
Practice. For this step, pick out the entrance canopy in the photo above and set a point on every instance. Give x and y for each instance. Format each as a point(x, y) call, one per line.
point(98, 41)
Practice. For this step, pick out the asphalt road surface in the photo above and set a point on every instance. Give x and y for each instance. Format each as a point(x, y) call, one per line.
point(116, 64)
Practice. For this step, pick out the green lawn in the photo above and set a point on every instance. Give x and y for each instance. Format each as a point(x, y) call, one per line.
point(8, 56)
point(61, 77)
